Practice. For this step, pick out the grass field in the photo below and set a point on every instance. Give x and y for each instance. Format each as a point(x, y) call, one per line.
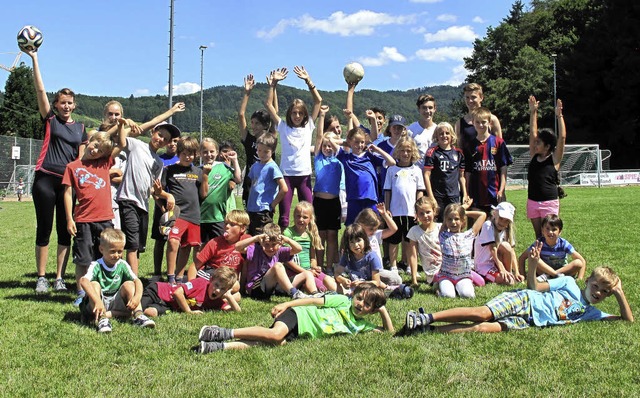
point(47, 352)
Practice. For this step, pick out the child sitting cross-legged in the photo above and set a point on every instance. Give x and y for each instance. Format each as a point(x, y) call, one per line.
point(192, 297)
point(309, 317)
point(264, 269)
point(557, 302)
point(112, 288)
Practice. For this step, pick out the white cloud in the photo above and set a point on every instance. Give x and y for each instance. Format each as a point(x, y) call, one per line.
point(395, 76)
point(452, 33)
point(384, 57)
point(441, 54)
point(141, 92)
point(425, 1)
point(184, 88)
point(360, 23)
point(478, 20)
point(458, 76)
point(447, 18)
point(419, 30)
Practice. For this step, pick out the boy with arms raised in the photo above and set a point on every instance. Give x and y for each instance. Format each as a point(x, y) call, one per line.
point(556, 302)
point(192, 297)
point(88, 178)
point(112, 288)
point(309, 317)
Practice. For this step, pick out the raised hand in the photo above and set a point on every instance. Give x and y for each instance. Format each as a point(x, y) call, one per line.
point(277, 75)
point(533, 104)
point(301, 72)
point(559, 108)
point(249, 83)
point(323, 110)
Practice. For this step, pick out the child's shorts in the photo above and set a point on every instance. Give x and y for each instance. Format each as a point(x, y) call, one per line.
point(210, 230)
point(111, 303)
point(150, 299)
point(87, 241)
point(135, 225)
point(404, 224)
point(289, 318)
point(186, 232)
point(328, 213)
point(542, 209)
point(511, 309)
point(257, 221)
point(259, 291)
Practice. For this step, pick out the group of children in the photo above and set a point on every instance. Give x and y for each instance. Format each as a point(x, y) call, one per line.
point(414, 191)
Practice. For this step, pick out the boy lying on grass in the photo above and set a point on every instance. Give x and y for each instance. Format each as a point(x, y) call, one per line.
point(554, 302)
point(308, 317)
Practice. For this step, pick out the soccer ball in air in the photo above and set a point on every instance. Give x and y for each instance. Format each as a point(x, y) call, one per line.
point(353, 72)
point(29, 38)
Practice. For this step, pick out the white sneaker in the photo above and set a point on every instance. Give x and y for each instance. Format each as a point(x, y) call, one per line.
point(542, 278)
point(299, 295)
point(104, 325)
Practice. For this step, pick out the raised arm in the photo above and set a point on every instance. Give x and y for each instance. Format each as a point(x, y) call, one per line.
point(317, 99)
point(178, 107)
point(274, 77)
point(249, 83)
point(373, 125)
point(121, 138)
point(295, 246)
point(480, 217)
point(389, 160)
point(625, 310)
point(351, 123)
point(320, 129)
point(562, 136)
point(533, 123)
point(242, 245)
point(43, 102)
point(534, 260)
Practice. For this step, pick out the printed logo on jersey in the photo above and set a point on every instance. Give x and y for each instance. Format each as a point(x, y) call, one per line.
point(86, 177)
point(485, 165)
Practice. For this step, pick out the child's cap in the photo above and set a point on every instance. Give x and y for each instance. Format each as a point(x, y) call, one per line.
point(505, 210)
point(397, 120)
point(173, 130)
point(168, 220)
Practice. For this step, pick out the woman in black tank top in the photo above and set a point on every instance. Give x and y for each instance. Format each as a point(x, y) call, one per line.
point(546, 154)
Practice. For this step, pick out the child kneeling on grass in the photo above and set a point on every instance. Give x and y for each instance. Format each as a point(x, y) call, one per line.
point(555, 302)
point(112, 288)
point(193, 297)
point(309, 317)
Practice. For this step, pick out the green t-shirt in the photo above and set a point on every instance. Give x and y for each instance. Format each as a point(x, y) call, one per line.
point(303, 258)
point(110, 279)
point(334, 317)
point(214, 207)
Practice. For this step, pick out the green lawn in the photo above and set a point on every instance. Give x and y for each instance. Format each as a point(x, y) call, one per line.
point(49, 353)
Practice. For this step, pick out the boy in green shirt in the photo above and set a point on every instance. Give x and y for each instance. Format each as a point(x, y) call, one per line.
point(112, 288)
point(308, 317)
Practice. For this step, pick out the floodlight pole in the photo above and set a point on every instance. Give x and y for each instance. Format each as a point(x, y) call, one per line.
point(555, 94)
point(171, 58)
point(202, 48)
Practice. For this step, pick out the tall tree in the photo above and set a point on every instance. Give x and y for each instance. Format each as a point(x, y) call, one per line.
point(19, 113)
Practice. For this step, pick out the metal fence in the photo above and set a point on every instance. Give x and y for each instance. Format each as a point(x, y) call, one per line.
point(12, 169)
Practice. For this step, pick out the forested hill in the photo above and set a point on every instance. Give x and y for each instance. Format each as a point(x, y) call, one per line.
point(222, 103)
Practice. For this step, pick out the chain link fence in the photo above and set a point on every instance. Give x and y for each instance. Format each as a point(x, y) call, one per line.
point(18, 157)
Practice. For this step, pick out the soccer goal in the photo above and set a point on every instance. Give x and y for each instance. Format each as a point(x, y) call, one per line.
point(577, 160)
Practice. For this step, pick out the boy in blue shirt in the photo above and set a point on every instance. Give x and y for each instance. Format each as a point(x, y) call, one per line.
point(554, 253)
point(308, 317)
point(556, 302)
point(268, 187)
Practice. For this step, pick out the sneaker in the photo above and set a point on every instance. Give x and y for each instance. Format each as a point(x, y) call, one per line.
point(143, 321)
point(42, 286)
point(299, 295)
point(104, 325)
point(206, 347)
point(214, 333)
point(542, 278)
point(408, 271)
point(394, 269)
point(318, 294)
point(59, 285)
point(78, 300)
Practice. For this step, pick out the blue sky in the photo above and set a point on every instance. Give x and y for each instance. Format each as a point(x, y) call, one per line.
point(120, 47)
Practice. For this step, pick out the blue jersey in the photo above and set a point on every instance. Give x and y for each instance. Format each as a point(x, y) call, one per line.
point(264, 185)
point(361, 180)
point(484, 164)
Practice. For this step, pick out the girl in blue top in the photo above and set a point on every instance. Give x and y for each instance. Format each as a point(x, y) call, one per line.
point(326, 191)
point(359, 164)
point(358, 263)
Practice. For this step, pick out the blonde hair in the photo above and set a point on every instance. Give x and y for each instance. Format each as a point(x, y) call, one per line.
point(108, 104)
point(272, 231)
point(209, 140)
point(427, 201)
point(226, 276)
point(407, 141)
point(368, 218)
point(472, 87)
point(104, 141)
point(355, 131)
point(482, 113)
point(110, 236)
point(509, 232)
point(236, 216)
point(462, 213)
point(312, 228)
point(444, 126)
point(606, 275)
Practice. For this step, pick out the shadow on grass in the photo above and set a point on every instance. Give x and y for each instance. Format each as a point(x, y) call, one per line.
point(48, 297)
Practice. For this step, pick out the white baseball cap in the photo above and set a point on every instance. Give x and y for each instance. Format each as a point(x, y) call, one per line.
point(505, 210)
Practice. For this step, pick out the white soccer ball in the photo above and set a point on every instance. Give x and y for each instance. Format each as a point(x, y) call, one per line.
point(30, 38)
point(353, 72)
